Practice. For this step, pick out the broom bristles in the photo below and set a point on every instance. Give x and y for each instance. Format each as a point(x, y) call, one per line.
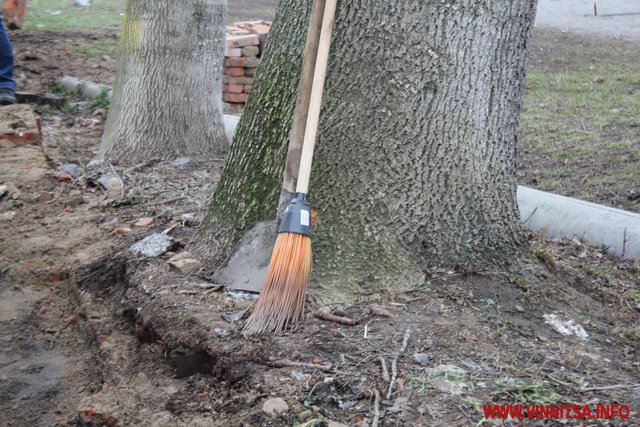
point(281, 302)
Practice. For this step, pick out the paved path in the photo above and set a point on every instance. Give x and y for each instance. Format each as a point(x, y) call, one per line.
point(616, 18)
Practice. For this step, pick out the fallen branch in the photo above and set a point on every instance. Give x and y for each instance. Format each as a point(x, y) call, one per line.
point(609, 387)
point(165, 202)
point(285, 363)
point(376, 410)
point(325, 315)
point(142, 165)
point(394, 363)
point(587, 389)
point(385, 371)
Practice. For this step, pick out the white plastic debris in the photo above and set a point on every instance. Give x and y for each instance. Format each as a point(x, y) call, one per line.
point(565, 327)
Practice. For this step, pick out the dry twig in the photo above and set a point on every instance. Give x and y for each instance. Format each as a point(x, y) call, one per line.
point(376, 410)
point(385, 371)
point(325, 315)
point(609, 387)
point(394, 363)
point(284, 363)
point(166, 202)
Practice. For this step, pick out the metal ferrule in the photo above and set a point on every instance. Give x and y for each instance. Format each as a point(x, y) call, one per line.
point(297, 216)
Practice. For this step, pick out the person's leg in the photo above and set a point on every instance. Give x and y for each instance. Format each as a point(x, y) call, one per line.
point(7, 84)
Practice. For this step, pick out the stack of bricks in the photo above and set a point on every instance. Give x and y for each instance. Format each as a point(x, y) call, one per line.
point(244, 46)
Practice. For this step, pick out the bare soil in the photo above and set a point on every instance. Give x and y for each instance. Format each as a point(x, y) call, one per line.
point(93, 335)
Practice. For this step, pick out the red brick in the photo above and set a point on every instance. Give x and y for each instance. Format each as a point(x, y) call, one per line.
point(233, 88)
point(233, 52)
point(247, 62)
point(22, 125)
point(250, 51)
point(234, 71)
point(235, 62)
point(252, 62)
point(247, 89)
point(235, 97)
point(241, 41)
point(249, 72)
point(242, 80)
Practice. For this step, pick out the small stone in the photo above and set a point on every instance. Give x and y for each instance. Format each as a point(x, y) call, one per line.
point(275, 406)
point(423, 357)
point(3, 190)
point(332, 423)
point(111, 183)
point(152, 246)
point(519, 308)
point(75, 198)
point(7, 216)
point(185, 266)
point(45, 196)
point(114, 188)
point(72, 169)
point(304, 415)
point(181, 162)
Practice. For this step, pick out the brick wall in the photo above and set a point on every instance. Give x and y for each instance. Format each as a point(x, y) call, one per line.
point(243, 49)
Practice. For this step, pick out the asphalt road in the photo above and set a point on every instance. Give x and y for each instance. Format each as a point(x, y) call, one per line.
point(615, 18)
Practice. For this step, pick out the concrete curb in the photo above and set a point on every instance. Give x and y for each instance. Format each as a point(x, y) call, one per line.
point(561, 216)
point(88, 89)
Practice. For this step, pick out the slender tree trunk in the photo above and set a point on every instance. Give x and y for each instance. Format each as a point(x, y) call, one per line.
point(250, 185)
point(415, 161)
point(167, 98)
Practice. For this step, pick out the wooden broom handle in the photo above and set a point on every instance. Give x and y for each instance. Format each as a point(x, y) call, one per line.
point(316, 97)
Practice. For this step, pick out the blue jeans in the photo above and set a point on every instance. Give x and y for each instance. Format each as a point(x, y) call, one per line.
point(6, 61)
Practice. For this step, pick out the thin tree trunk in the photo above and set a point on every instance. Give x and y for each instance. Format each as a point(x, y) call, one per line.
point(167, 98)
point(250, 185)
point(415, 161)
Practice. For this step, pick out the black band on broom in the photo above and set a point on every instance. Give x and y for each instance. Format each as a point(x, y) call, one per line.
point(281, 302)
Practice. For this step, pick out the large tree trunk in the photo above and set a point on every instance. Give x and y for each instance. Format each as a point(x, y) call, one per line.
point(415, 161)
point(167, 98)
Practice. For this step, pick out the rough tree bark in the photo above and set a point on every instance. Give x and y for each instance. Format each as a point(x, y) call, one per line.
point(167, 97)
point(415, 160)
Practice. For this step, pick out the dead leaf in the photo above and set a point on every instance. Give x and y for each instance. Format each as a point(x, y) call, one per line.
point(121, 230)
point(144, 222)
point(64, 176)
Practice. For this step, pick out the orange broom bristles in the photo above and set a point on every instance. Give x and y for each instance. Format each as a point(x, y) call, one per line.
point(281, 303)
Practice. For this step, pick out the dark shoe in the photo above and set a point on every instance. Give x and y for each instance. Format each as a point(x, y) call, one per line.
point(7, 96)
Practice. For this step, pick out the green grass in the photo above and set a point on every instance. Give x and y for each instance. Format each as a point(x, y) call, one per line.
point(523, 392)
point(580, 123)
point(65, 15)
point(100, 101)
point(98, 49)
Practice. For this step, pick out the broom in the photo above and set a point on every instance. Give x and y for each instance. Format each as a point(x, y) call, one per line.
point(281, 303)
